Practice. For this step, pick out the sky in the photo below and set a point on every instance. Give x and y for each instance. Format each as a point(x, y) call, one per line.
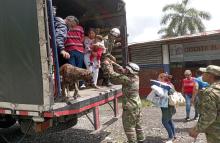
point(143, 17)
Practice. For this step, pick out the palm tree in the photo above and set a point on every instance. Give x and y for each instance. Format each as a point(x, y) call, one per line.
point(182, 20)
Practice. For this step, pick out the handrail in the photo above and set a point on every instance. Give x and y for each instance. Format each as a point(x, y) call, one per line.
point(54, 46)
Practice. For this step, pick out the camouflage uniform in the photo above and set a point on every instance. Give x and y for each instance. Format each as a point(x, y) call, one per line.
point(209, 121)
point(131, 103)
point(109, 44)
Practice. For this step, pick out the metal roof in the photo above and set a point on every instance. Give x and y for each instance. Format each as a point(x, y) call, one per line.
point(179, 38)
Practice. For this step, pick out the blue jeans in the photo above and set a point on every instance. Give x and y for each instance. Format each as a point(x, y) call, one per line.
point(188, 98)
point(167, 121)
point(76, 58)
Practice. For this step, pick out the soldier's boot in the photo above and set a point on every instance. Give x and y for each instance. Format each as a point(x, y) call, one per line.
point(107, 82)
point(131, 135)
point(140, 134)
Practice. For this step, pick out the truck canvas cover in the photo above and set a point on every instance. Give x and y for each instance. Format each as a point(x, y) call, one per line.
point(21, 79)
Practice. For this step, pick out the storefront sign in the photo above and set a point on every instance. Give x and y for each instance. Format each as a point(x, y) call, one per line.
point(202, 48)
point(195, 51)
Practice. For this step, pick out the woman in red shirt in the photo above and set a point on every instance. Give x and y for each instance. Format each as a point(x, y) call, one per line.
point(74, 42)
point(188, 87)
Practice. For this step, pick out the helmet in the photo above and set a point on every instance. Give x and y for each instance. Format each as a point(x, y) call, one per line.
point(133, 68)
point(115, 32)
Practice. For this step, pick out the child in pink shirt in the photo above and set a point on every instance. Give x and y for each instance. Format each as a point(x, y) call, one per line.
point(97, 50)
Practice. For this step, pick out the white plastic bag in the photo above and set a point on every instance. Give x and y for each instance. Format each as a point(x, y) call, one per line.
point(157, 100)
point(158, 90)
point(176, 99)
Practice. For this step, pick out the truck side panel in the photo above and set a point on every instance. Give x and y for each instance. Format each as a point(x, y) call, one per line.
point(20, 59)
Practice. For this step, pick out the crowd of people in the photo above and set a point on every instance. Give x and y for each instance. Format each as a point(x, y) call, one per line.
point(95, 52)
point(83, 51)
point(202, 92)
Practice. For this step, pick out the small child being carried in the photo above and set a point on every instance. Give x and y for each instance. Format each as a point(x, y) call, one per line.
point(97, 49)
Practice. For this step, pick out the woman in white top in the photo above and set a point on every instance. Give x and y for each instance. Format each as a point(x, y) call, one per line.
point(93, 67)
point(88, 43)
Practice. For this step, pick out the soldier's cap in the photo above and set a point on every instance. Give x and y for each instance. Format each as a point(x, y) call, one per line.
point(133, 68)
point(212, 69)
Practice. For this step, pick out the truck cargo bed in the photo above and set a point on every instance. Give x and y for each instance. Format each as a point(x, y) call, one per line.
point(90, 98)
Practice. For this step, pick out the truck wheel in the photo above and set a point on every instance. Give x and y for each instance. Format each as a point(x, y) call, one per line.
point(59, 126)
point(27, 126)
point(6, 121)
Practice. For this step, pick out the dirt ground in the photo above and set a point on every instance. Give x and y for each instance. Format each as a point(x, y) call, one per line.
point(113, 132)
point(154, 130)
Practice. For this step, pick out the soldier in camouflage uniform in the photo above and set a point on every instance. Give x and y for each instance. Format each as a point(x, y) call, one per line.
point(131, 102)
point(109, 42)
point(209, 106)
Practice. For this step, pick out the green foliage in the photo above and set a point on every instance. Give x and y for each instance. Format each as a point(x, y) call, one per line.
point(179, 19)
point(146, 103)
